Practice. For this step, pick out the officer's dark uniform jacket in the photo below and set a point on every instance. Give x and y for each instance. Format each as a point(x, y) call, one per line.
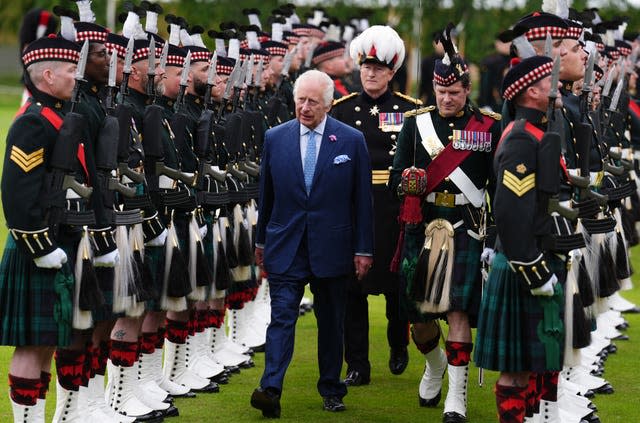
point(193, 107)
point(520, 212)
point(380, 120)
point(29, 145)
point(137, 101)
point(476, 166)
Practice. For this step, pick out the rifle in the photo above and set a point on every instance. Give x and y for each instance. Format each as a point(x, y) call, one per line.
point(228, 90)
point(59, 180)
point(124, 115)
point(552, 147)
point(205, 135)
point(153, 122)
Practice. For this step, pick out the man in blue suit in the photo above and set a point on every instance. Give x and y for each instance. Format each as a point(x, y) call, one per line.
point(315, 225)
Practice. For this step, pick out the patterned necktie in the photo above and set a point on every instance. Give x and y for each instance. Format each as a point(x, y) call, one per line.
point(310, 160)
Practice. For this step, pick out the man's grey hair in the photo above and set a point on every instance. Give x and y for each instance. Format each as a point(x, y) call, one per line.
point(320, 78)
point(35, 70)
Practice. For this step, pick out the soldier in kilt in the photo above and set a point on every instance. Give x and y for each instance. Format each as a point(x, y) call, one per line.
point(457, 177)
point(378, 113)
point(36, 276)
point(78, 365)
point(124, 392)
point(184, 363)
point(520, 328)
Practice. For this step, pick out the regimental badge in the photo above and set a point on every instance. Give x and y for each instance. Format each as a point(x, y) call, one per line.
point(471, 140)
point(521, 168)
point(390, 122)
point(374, 110)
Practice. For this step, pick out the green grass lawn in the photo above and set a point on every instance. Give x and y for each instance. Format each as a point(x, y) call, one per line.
point(389, 398)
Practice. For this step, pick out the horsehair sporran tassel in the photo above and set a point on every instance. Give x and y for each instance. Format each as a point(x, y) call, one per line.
point(169, 302)
point(122, 298)
point(83, 272)
point(135, 289)
point(441, 260)
point(197, 292)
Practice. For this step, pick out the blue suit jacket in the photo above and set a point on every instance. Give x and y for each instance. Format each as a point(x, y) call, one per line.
point(338, 212)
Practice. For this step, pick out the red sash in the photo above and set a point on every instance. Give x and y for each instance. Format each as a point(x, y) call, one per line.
point(635, 109)
point(449, 158)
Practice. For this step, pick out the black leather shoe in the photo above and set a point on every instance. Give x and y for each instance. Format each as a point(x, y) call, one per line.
point(268, 401)
point(355, 378)
point(211, 388)
point(633, 310)
point(333, 404)
point(453, 417)
point(398, 360)
point(432, 402)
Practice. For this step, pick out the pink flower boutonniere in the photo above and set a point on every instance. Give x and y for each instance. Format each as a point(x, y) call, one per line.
point(332, 138)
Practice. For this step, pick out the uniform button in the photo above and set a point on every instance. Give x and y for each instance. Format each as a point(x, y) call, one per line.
point(451, 125)
point(357, 108)
point(450, 137)
point(358, 123)
point(395, 107)
point(447, 179)
point(393, 137)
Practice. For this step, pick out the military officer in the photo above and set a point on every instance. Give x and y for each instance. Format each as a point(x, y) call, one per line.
point(378, 113)
point(36, 280)
point(454, 141)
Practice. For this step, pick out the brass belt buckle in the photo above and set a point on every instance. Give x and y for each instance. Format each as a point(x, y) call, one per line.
point(444, 199)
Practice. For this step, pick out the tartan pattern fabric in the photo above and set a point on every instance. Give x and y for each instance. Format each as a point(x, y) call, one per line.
point(177, 331)
point(24, 391)
point(93, 358)
point(123, 354)
point(148, 342)
point(29, 301)
point(160, 338)
point(45, 379)
point(507, 339)
point(458, 353)
point(531, 399)
point(549, 387)
point(103, 357)
point(70, 368)
point(216, 318)
point(510, 401)
point(201, 320)
point(105, 276)
point(155, 257)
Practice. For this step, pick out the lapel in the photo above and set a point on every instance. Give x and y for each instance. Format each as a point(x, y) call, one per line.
point(293, 154)
point(327, 149)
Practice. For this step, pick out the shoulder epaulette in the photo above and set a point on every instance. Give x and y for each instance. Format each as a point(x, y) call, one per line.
point(492, 115)
point(419, 111)
point(343, 98)
point(408, 98)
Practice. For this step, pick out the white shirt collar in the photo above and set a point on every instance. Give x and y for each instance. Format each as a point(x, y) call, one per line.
point(318, 129)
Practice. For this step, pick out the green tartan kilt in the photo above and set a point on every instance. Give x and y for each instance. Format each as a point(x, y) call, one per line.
point(36, 305)
point(105, 276)
point(155, 257)
point(510, 322)
point(466, 283)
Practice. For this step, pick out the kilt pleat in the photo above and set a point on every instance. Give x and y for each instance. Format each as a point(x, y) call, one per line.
point(509, 321)
point(29, 301)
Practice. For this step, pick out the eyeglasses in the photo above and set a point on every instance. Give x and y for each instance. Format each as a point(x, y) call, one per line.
point(101, 53)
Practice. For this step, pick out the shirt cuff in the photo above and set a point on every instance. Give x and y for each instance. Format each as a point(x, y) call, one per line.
point(259, 245)
point(364, 254)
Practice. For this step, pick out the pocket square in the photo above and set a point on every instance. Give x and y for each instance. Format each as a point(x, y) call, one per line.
point(341, 159)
